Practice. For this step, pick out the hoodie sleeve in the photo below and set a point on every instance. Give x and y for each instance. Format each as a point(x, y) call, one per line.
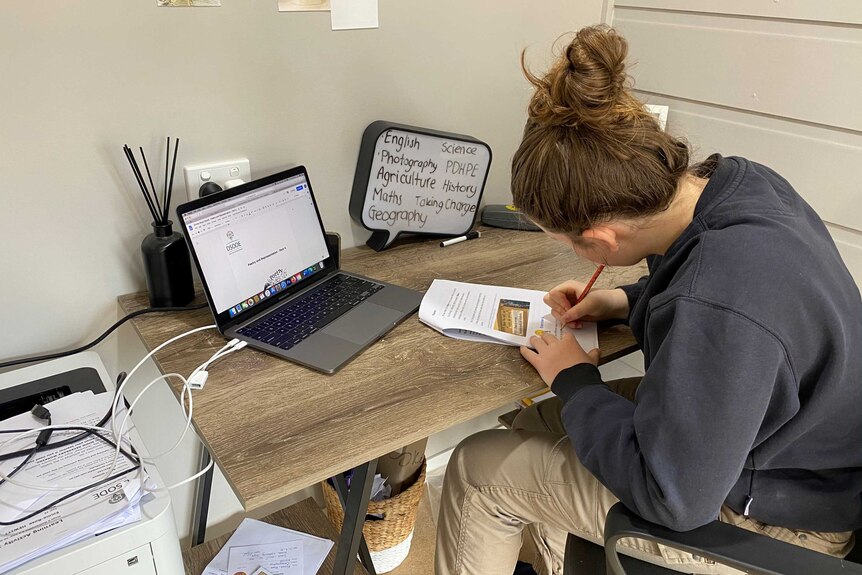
point(633, 291)
point(673, 456)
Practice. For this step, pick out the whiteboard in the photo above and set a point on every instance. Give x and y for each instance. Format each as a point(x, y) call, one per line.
point(418, 181)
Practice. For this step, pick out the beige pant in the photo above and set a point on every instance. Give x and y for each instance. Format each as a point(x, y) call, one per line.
point(498, 482)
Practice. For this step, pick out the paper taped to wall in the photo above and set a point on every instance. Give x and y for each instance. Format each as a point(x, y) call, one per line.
point(354, 14)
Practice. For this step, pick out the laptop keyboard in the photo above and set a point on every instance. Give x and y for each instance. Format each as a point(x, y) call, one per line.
point(316, 308)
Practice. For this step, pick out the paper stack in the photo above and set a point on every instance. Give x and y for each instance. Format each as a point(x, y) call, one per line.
point(273, 550)
point(110, 505)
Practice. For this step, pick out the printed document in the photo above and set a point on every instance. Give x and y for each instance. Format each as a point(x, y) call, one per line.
point(109, 505)
point(493, 314)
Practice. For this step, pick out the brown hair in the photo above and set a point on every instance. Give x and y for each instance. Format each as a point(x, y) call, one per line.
point(591, 152)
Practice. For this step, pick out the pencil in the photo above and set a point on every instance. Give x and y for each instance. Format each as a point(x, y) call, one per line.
point(590, 284)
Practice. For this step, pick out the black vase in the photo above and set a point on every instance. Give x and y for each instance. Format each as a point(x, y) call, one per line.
point(167, 267)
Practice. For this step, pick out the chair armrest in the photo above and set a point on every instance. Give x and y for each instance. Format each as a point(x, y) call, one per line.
point(725, 544)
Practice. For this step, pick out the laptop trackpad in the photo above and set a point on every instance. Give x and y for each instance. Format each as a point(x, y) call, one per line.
point(364, 324)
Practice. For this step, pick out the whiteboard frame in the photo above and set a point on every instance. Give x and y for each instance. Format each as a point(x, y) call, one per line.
point(380, 238)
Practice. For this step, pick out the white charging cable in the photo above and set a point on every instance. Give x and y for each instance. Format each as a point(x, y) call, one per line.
point(178, 483)
point(196, 381)
point(119, 394)
point(186, 412)
point(124, 441)
point(188, 386)
point(200, 374)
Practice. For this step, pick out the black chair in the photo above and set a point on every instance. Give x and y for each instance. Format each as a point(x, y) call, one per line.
point(723, 543)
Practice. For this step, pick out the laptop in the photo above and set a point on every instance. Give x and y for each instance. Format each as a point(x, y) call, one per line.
point(271, 280)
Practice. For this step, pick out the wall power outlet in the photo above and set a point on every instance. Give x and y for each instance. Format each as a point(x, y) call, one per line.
point(218, 172)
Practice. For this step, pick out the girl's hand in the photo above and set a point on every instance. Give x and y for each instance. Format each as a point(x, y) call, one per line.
point(553, 355)
point(600, 304)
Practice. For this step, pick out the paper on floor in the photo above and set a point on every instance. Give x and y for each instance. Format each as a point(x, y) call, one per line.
point(275, 558)
point(253, 532)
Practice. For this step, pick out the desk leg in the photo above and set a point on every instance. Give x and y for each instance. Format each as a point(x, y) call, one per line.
point(355, 507)
point(202, 500)
point(364, 553)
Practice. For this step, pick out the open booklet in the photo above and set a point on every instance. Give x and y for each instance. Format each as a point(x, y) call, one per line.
point(493, 314)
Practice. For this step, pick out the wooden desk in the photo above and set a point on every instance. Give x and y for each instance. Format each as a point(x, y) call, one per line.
point(275, 428)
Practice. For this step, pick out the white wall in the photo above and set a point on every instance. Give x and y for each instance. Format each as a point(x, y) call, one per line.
point(776, 82)
point(80, 79)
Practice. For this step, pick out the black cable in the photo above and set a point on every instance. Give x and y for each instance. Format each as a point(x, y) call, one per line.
point(22, 464)
point(65, 497)
point(86, 431)
point(41, 412)
point(68, 441)
point(120, 322)
point(133, 457)
point(62, 442)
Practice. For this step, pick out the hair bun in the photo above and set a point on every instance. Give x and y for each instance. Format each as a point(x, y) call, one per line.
point(586, 85)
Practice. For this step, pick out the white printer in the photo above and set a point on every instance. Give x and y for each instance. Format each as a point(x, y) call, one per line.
point(148, 547)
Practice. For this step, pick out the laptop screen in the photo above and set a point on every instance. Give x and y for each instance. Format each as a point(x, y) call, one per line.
point(256, 244)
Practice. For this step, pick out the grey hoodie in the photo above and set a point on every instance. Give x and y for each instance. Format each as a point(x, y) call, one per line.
point(751, 328)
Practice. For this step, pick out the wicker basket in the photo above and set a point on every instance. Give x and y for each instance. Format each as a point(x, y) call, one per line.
point(389, 538)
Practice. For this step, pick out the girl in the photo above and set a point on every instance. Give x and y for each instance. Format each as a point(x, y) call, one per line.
point(751, 328)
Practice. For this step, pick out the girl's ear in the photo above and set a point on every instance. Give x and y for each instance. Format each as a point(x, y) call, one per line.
point(604, 236)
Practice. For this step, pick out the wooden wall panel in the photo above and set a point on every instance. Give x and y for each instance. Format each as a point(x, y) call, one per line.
point(815, 159)
point(838, 11)
point(776, 82)
point(806, 72)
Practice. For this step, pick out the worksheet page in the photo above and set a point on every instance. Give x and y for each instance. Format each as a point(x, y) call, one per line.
point(494, 314)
